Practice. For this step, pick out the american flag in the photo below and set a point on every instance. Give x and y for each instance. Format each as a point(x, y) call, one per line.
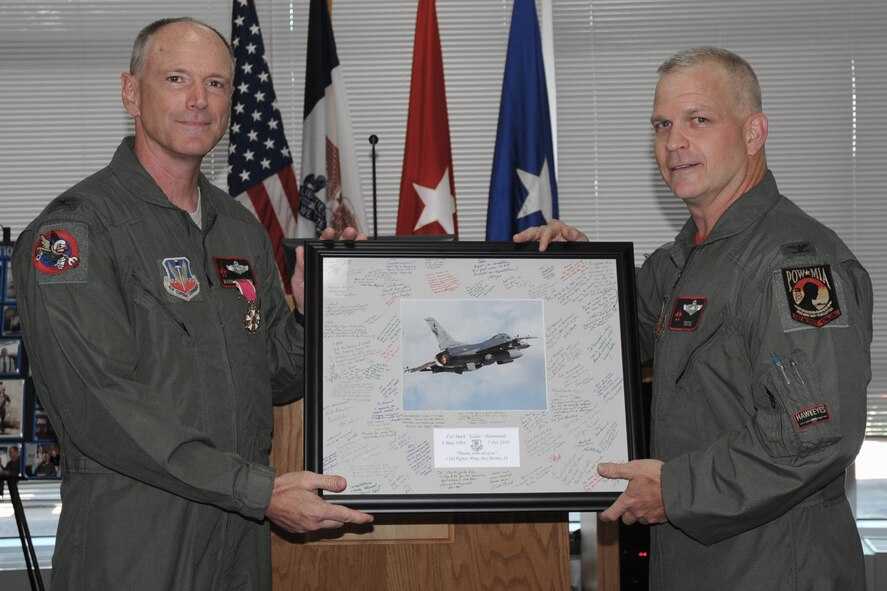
point(260, 166)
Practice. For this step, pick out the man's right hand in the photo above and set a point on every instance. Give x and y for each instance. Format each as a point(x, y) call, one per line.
point(297, 281)
point(296, 507)
point(553, 231)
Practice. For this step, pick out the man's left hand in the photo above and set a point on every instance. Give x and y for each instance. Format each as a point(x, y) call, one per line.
point(642, 500)
point(297, 281)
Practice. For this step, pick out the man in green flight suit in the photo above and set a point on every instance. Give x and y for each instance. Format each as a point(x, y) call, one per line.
point(758, 320)
point(157, 369)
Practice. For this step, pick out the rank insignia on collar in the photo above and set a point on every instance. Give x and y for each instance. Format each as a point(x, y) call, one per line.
point(687, 313)
point(812, 298)
point(230, 269)
point(798, 248)
point(178, 279)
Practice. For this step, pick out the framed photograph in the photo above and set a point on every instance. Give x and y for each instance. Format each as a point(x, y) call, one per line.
point(470, 376)
point(10, 458)
point(9, 284)
point(42, 427)
point(10, 357)
point(12, 323)
point(7, 287)
point(12, 396)
point(43, 459)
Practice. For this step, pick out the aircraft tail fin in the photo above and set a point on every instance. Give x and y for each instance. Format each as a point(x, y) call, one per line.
point(444, 340)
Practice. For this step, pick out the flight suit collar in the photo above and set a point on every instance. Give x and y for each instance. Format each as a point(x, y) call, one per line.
point(744, 212)
point(125, 165)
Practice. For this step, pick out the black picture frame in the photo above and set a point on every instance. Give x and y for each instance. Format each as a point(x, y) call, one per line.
point(512, 452)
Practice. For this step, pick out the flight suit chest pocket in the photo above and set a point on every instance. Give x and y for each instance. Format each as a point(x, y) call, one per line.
point(800, 418)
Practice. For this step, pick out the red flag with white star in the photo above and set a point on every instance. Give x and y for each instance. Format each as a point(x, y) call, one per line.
point(260, 167)
point(427, 189)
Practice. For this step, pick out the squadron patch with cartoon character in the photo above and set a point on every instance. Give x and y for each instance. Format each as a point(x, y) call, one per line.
point(811, 293)
point(59, 254)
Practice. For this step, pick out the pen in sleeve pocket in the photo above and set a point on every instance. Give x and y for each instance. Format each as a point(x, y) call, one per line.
point(797, 371)
point(778, 363)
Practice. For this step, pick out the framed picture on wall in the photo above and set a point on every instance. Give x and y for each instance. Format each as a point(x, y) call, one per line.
point(471, 376)
point(7, 287)
point(12, 396)
point(42, 427)
point(43, 459)
point(10, 458)
point(10, 357)
point(11, 322)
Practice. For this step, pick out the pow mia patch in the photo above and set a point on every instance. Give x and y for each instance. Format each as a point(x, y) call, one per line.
point(687, 313)
point(811, 293)
point(811, 416)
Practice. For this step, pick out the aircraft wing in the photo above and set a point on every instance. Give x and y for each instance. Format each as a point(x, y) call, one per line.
point(423, 367)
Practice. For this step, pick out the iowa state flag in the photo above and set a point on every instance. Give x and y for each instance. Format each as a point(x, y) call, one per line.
point(260, 167)
point(523, 187)
point(330, 181)
point(427, 187)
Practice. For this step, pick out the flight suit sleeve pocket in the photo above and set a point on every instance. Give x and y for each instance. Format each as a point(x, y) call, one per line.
point(800, 420)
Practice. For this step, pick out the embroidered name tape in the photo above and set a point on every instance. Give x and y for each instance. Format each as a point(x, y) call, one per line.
point(687, 313)
point(811, 416)
point(232, 269)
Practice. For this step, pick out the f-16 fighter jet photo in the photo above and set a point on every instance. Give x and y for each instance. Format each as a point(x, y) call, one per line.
point(458, 357)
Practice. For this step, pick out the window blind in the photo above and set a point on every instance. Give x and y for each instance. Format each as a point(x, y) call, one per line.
point(820, 63)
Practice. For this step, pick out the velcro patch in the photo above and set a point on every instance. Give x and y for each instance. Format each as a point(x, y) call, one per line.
point(59, 254)
point(687, 313)
point(811, 416)
point(178, 279)
point(230, 269)
point(811, 293)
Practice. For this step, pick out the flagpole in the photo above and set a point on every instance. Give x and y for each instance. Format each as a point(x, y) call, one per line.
point(374, 139)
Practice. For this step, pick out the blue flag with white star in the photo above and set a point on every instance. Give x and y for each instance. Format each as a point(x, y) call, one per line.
point(523, 187)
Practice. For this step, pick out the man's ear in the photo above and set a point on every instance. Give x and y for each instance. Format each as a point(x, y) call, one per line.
point(129, 93)
point(756, 129)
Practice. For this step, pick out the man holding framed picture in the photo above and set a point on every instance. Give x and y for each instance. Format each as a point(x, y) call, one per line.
point(758, 320)
point(159, 337)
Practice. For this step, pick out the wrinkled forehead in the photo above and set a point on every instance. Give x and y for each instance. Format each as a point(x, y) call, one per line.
point(184, 43)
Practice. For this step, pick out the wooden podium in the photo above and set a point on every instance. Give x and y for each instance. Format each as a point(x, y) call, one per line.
point(471, 552)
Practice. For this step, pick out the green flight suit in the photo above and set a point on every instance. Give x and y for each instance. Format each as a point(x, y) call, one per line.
point(162, 399)
point(755, 452)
